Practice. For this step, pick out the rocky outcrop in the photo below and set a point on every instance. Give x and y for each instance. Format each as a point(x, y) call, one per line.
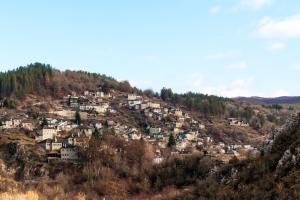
point(285, 143)
point(291, 124)
point(22, 163)
point(290, 158)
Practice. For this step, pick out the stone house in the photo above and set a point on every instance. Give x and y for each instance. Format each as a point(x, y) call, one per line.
point(178, 113)
point(51, 145)
point(69, 153)
point(154, 130)
point(153, 105)
point(46, 133)
point(27, 125)
point(132, 97)
point(9, 124)
point(236, 122)
point(56, 144)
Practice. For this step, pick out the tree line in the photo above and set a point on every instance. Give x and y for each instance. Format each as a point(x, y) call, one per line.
point(42, 79)
point(35, 77)
point(206, 104)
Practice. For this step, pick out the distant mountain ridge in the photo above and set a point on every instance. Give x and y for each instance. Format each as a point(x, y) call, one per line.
point(275, 100)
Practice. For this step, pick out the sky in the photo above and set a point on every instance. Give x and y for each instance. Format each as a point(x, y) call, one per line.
point(228, 48)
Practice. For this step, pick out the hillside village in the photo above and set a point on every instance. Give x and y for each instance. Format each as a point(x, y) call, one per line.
point(104, 138)
point(66, 130)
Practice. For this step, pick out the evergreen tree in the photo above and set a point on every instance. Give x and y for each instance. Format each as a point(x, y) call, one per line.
point(77, 118)
point(166, 94)
point(172, 141)
point(10, 104)
point(44, 122)
point(96, 133)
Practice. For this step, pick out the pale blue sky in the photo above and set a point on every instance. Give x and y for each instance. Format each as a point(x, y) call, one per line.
point(237, 48)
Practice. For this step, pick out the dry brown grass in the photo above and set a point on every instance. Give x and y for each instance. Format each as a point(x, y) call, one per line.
point(30, 195)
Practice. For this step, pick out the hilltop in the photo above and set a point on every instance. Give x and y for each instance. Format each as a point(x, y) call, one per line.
point(44, 80)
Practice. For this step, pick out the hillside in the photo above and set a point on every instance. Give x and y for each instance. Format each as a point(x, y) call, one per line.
point(275, 100)
point(72, 133)
point(42, 79)
point(273, 175)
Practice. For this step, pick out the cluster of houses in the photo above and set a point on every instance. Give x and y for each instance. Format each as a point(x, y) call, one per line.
point(89, 102)
point(14, 122)
point(61, 137)
point(237, 122)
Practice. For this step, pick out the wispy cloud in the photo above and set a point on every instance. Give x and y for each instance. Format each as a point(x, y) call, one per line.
point(277, 46)
point(295, 67)
point(224, 55)
point(288, 27)
point(215, 9)
point(240, 87)
point(279, 93)
point(255, 4)
point(239, 65)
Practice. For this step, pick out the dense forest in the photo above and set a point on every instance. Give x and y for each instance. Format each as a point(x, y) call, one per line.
point(206, 104)
point(42, 79)
point(34, 77)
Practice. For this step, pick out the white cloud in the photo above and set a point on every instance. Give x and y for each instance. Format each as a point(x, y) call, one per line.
point(239, 87)
point(239, 65)
point(215, 10)
point(288, 27)
point(224, 55)
point(296, 68)
point(235, 88)
point(255, 4)
point(277, 46)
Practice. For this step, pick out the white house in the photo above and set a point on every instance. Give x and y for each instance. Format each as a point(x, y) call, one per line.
point(56, 145)
point(143, 106)
point(66, 126)
point(153, 105)
point(154, 130)
point(178, 113)
point(27, 125)
point(46, 133)
point(69, 154)
point(101, 108)
point(131, 97)
point(51, 145)
point(65, 113)
point(12, 123)
point(132, 103)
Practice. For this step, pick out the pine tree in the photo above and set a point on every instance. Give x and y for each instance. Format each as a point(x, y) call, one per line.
point(77, 118)
point(172, 141)
point(96, 133)
point(44, 122)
